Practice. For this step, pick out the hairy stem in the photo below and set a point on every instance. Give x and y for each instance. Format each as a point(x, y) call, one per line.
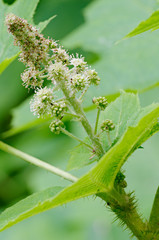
point(35, 161)
point(124, 207)
point(84, 121)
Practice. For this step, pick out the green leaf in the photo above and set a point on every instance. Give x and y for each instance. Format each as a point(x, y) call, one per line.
point(80, 157)
point(101, 177)
point(143, 126)
point(45, 200)
point(23, 9)
point(125, 112)
point(154, 217)
point(152, 23)
point(125, 65)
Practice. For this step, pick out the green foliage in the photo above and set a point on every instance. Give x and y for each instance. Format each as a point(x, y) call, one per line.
point(24, 9)
point(119, 67)
point(154, 217)
point(125, 112)
point(27, 207)
point(45, 200)
point(144, 126)
point(80, 156)
point(152, 23)
point(125, 65)
point(101, 178)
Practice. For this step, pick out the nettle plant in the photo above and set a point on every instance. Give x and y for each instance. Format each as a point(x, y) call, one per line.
point(60, 82)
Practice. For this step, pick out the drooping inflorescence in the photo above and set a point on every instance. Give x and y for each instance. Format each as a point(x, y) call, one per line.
point(48, 61)
point(50, 68)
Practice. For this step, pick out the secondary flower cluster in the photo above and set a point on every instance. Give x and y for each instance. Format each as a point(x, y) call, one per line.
point(100, 102)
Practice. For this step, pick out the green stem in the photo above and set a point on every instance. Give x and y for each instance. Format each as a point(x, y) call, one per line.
point(72, 115)
point(84, 121)
point(76, 138)
point(97, 120)
point(5, 147)
point(109, 139)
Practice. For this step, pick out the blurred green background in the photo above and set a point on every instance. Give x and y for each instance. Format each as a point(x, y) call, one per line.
point(90, 27)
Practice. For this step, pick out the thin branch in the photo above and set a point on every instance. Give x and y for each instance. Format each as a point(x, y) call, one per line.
point(76, 138)
point(72, 115)
point(97, 120)
point(35, 161)
point(109, 139)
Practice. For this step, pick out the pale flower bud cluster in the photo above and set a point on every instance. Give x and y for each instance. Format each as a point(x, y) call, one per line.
point(100, 102)
point(107, 125)
point(55, 126)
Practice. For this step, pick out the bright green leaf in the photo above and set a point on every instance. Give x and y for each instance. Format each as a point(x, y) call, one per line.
point(80, 156)
point(125, 112)
point(45, 200)
point(154, 217)
point(152, 23)
point(143, 126)
point(122, 112)
point(24, 9)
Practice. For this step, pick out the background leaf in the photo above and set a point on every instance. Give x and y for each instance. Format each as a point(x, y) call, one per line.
point(125, 65)
point(152, 23)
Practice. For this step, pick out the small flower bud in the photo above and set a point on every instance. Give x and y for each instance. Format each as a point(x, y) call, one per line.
point(32, 78)
point(107, 125)
point(78, 82)
point(120, 180)
point(42, 103)
point(92, 77)
point(58, 71)
point(78, 63)
point(61, 55)
point(58, 109)
point(55, 126)
point(100, 102)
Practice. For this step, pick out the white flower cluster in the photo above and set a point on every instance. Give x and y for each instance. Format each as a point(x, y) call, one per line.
point(43, 104)
point(32, 77)
point(46, 60)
